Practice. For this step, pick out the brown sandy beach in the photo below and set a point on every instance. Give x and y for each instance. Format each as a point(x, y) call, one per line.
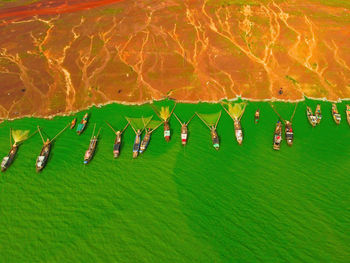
point(95, 52)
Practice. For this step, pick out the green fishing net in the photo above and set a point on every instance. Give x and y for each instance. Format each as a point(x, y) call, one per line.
point(138, 123)
point(153, 124)
point(211, 118)
point(163, 112)
point(235, 109)
point(19, 135)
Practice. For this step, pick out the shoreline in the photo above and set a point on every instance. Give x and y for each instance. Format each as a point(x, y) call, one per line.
point(65, 114)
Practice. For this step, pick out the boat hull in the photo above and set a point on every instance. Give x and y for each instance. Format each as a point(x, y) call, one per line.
point(277, 139)
point(144, 143)
point(89, 154)
point(42, 159)
point(82, 125)
point(184, 138)
point(73, 124)
point(238, 131)
point(335, 114)
point(136, 147)
point(116, 146)
point(167, 131)
point(311, 117)
point(184, 135)
point(215, 140)
point(8, 160)
point(116, 150)
point(289, 134)
point(337, 118)
point(257, 116)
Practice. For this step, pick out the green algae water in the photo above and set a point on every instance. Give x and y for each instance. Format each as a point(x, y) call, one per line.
point(243, 203)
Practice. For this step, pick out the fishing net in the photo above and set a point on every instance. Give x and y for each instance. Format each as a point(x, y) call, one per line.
point(138, 123)
point(20, 135)
point(210, 119)
point(153, 124)
point(164, 112)
point(236, 109)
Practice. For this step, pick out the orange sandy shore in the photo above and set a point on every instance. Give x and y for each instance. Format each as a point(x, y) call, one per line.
point(58, 57)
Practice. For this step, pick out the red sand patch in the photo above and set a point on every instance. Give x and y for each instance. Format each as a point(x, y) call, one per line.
point(52, 7)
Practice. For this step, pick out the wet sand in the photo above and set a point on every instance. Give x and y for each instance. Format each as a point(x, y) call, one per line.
point(58, 57)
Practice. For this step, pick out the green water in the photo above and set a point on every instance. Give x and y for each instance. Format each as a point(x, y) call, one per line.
point(243, 203)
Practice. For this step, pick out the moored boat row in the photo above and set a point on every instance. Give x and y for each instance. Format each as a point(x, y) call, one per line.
point(141, 144)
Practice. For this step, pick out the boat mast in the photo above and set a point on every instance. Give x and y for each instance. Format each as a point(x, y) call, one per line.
point(10, 137)
point(126, 126)
point(171, 112)
point(190, 119)
point(228, 112)
point(293, 112)
point(111, 127)
point(31, 136)
point(156, 127)
point(98, 132)
point(131, 125)
point(59, 133)
point(216, 124)
point(178, 119)
point(156, 111)
point(41, 135)
point(93, 131)
point(145, 124)
point(272, 106)
point(203, 121)
point(240, 117)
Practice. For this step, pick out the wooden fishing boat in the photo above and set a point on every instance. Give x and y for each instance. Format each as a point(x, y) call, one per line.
point(166, 131)
point(289, 133)
point(184, 129)
point(335, 114)
point(43, 157)
point(213, 133)
point(118, 139)
point(215, 138)
point(348, 113)
point(18, 139)
point(145, 141)
point(7, 160)
point(238, 131)
point(82, 124)
point(257, 116)
point(165, 118)
point(237, 123)
point(318, 114)
point(184, 134)
point(277, 139)
point(117, 143)
point(89, 154)
point(147, 138)
point(72, 125)
point(137, 142)
point(138, 131)
point(311, 117)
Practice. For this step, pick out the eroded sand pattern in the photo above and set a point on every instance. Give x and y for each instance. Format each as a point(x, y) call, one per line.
point(62, 56)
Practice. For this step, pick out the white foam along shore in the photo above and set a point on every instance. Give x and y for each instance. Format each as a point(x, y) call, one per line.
point(70, 113)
